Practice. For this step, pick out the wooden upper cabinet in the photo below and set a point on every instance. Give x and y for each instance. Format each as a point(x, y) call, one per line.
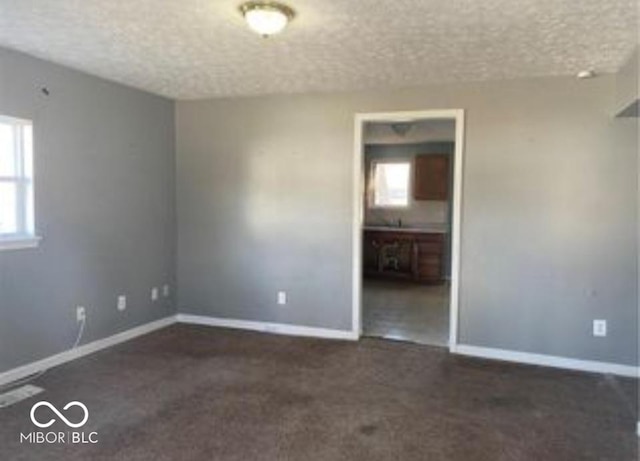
point(431, 177)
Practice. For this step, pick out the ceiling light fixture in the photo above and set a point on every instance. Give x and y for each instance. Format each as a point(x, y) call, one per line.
point(401, 129)
point(586, 74)
point(266, 18)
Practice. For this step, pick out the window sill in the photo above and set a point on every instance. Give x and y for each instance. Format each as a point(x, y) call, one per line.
point(388, 207)
point(19, 243)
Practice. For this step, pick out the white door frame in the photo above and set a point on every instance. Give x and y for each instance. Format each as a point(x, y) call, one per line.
point(358, 209)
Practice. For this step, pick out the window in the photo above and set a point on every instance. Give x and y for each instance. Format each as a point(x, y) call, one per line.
point(16, 183)
point(390, 183)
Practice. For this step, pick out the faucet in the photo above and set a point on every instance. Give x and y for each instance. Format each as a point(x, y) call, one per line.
point(399, 222)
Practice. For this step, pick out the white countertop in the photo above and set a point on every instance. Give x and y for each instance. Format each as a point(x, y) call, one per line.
point(432, 229)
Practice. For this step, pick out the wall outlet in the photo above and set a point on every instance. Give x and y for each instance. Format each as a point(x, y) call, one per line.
point(122, 302)
point(599, 328)
point(154, 294)
point(165, 291)
point(282, 298)
point(81, 314)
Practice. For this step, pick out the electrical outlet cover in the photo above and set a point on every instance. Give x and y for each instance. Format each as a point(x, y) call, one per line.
point(600, 328)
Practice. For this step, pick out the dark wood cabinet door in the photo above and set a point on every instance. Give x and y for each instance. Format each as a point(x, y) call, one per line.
point(369, 253)
point(431, 177)
point(429, 257)
point(413, 256)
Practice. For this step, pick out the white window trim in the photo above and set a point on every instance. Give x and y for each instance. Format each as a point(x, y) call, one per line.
point(371, 193)
point(13, 120)
point(20, 240)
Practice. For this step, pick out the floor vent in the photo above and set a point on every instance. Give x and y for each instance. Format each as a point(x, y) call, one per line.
point(19, 394)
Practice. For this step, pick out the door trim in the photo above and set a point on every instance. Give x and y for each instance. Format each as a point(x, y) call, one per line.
point(456, 215)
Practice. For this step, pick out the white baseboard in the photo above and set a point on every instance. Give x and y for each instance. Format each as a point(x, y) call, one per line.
point(86, 349)
point(267, 327)
point(547, 360)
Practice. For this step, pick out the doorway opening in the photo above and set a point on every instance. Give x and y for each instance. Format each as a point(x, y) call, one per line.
point(407, 194)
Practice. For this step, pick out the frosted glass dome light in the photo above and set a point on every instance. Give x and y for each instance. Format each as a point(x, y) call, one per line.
point(266, 18)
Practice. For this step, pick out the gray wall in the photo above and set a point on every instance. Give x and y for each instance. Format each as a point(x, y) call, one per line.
point(549, 211)
point(105, 184)
point(627, 81)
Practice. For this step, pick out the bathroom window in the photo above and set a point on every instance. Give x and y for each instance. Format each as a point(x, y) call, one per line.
point(16, 184)
point(390, 183)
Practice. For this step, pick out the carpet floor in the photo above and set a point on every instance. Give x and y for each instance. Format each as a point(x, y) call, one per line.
point(197, 393)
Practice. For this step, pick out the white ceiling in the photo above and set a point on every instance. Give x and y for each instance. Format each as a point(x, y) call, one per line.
point(201, 48)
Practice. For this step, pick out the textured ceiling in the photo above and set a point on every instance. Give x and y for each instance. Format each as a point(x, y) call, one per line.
point(199, 48)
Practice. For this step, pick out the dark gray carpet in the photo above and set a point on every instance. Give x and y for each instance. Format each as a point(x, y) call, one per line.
point(197, 393)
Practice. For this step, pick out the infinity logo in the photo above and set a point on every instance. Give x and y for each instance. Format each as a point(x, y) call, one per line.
point(60, 415)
